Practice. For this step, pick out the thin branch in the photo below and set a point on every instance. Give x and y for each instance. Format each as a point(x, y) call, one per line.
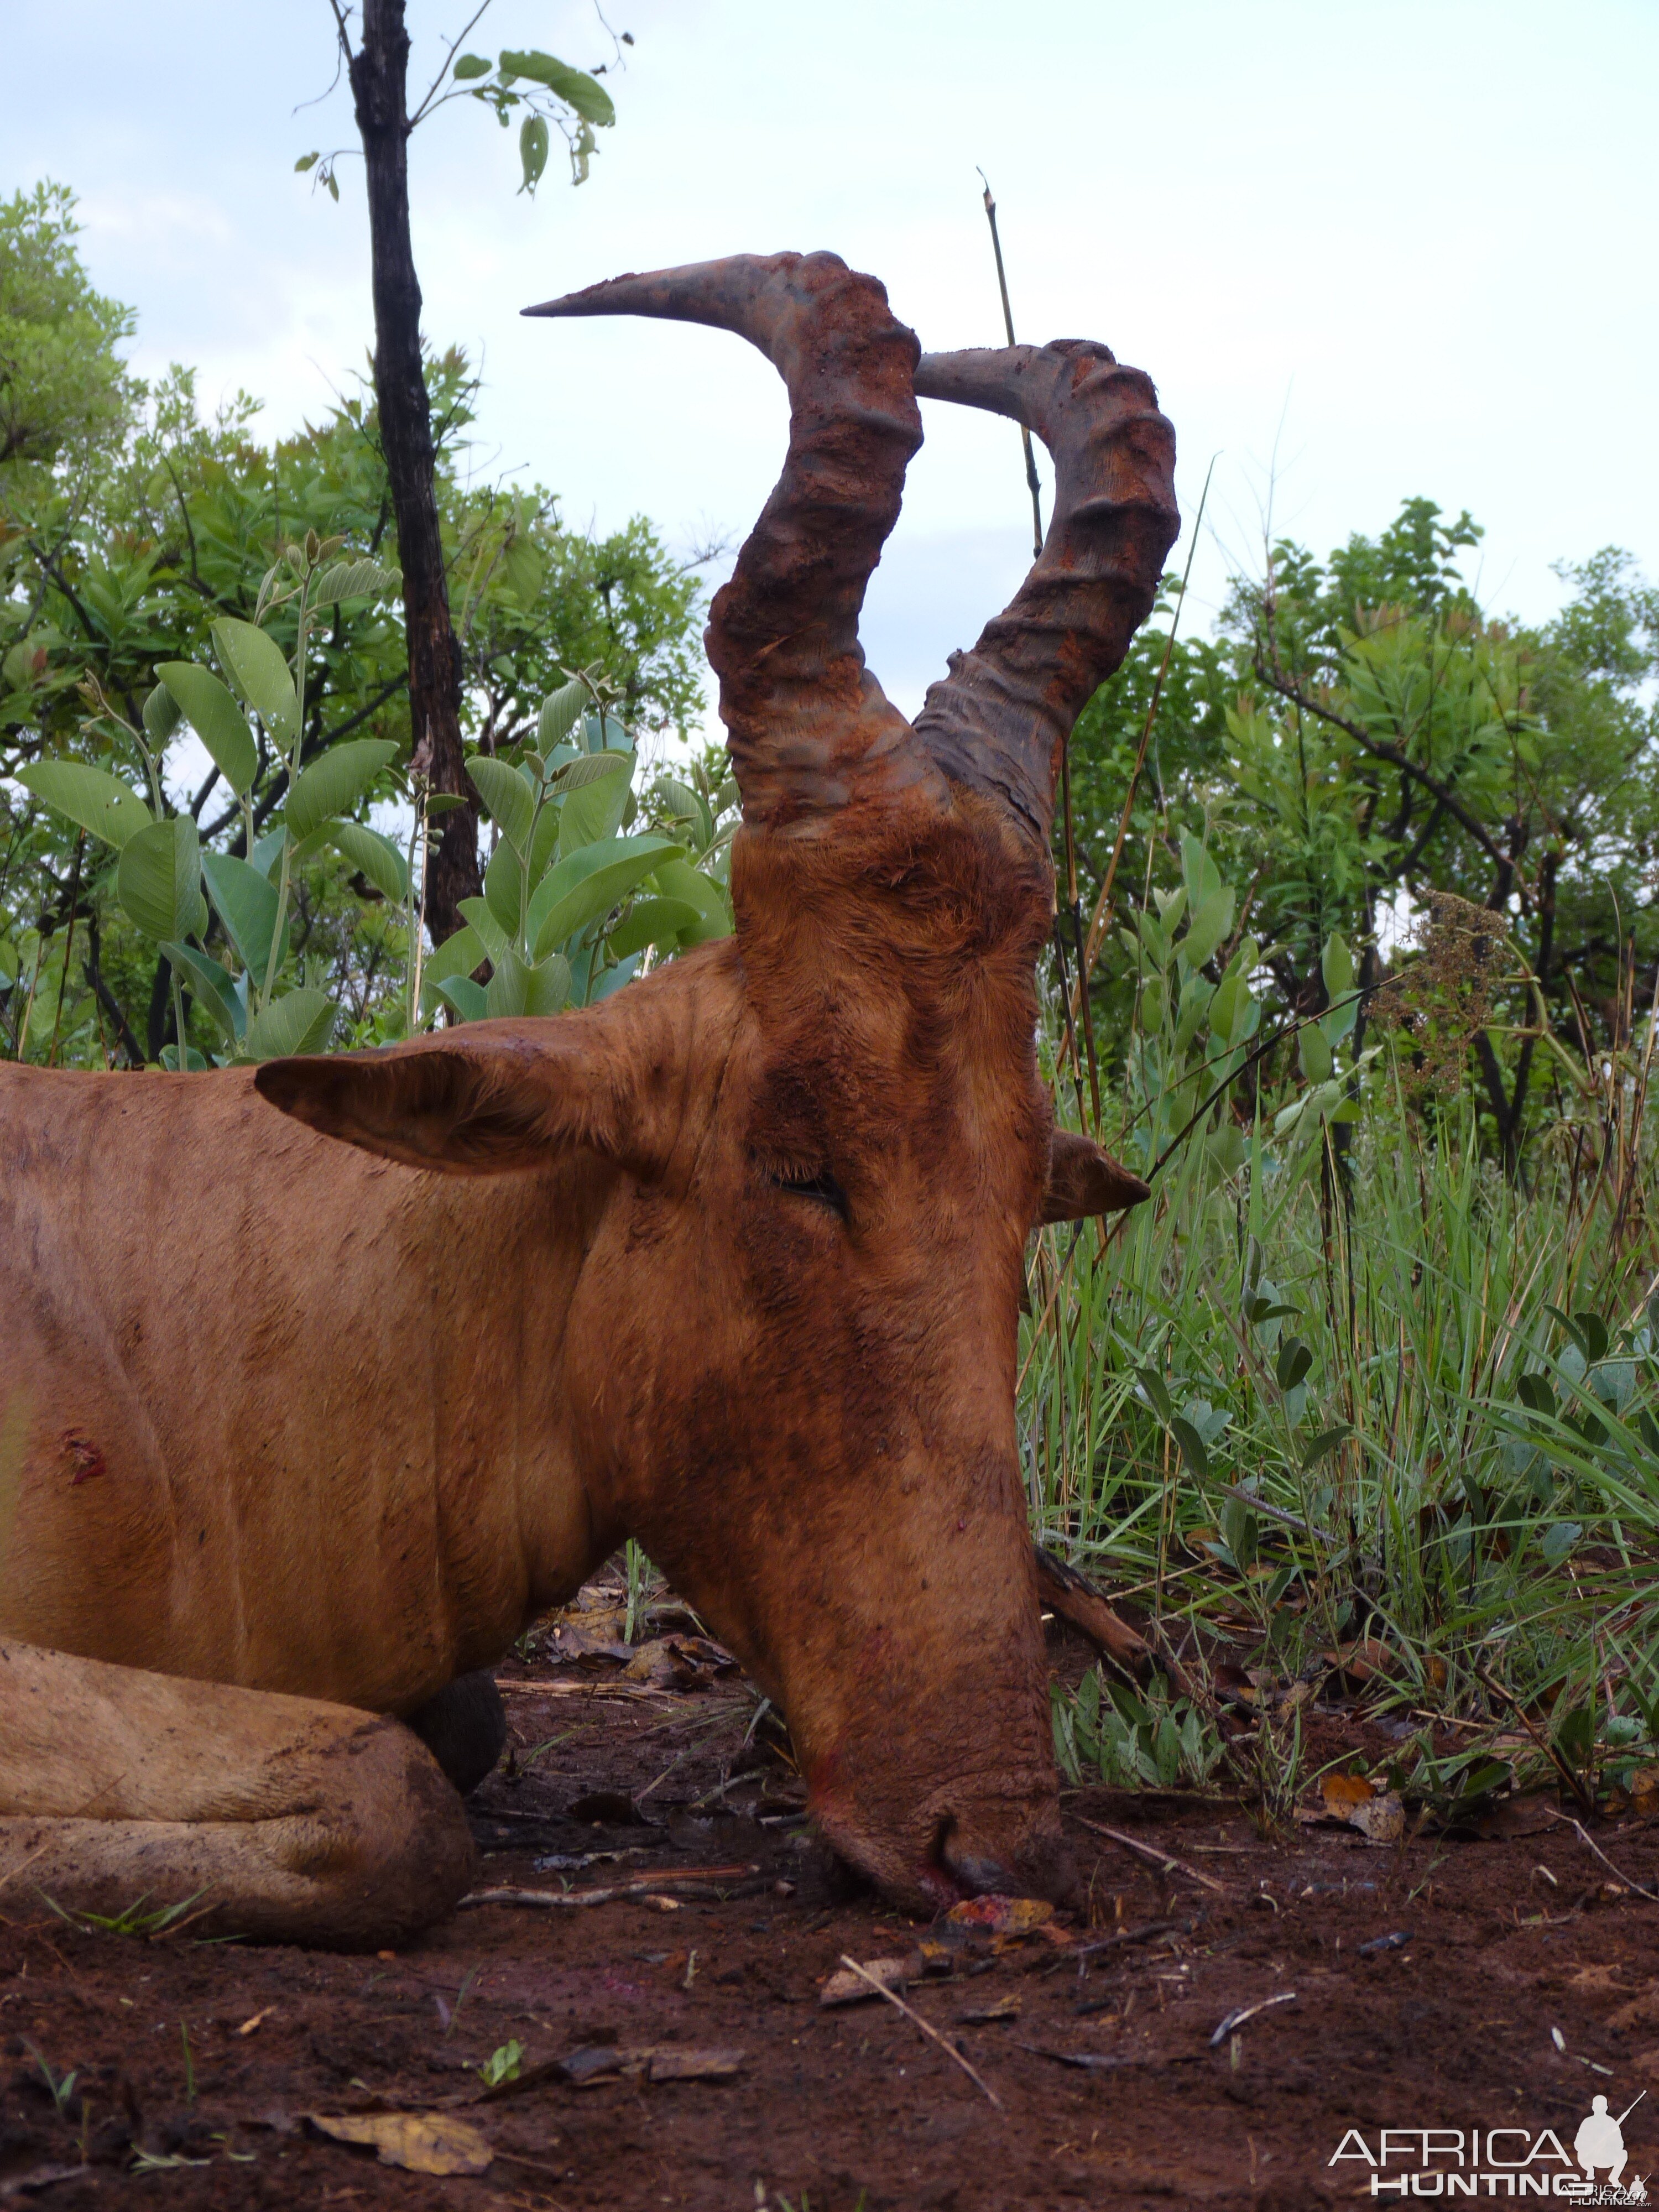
point(1567, 1821)
point(49, 563)
point(915, 2018)
point(455, 47)
point(112, 1005)
point(1381, 749)
point(1159, 1858)
point(184, 509)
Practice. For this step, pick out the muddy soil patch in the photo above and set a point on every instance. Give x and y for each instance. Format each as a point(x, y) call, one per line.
point(1494, 1983)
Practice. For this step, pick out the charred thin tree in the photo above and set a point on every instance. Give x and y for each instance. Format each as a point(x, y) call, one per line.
point(379, 71)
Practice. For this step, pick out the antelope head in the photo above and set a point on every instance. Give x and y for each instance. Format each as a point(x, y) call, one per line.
point(807, 1160)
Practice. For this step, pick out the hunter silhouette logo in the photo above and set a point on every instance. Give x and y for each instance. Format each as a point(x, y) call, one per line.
point(1509, 2161)
point(1600, 2142)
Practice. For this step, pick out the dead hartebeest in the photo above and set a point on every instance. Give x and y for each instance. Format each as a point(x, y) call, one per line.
point(305, 1413)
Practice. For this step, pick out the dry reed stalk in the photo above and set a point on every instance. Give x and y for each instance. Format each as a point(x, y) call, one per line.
point(915, 2018)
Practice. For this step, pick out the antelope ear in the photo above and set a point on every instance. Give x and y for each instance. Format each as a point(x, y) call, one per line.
point(1084, 1180)
point(471, 1104)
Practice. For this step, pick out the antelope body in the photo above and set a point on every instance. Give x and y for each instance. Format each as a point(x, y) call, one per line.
point(320, 1381)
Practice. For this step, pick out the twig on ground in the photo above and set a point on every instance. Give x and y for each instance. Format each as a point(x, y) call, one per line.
point(1236, 2020)
point(554, 1899)
point(948, 2049)
point(1159, 1858)
point(1122, 1935)
point(1105, 2062)
point(1567, 1821)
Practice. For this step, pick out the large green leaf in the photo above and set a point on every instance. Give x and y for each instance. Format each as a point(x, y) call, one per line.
point(585, 93)
point(494, 940)
point(1315, 1054)
point(679, 879)
point(468, 998)
point(549, 985)
point(93, 800)
point(594, 809)
point(561, 712)
point(337, 781)
point(353, 579)
point(259, 673)
point(301, 1022)
point(588, 883)
point(518, 987)
point(534, 139)
point(1210, 923)
point(217, 720)
point(377, 857)
point(246, 904)
point(504, 888)
point(543, 843)
point(161, 717)
point(458, 956)
point(1336, 966)
point(587, 768)
point(654, 921)
point(158, 881)
point(508, 987)
point(215, 988)
point(511, 802)
point(688, 806)
point(469, 66)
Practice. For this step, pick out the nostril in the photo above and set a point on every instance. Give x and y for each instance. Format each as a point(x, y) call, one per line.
point(976, 1872)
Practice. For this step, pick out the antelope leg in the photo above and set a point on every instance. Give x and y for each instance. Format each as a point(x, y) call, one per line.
point(285, 1820)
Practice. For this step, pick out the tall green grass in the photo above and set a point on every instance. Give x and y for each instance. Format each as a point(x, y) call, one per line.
point(1302, 1397)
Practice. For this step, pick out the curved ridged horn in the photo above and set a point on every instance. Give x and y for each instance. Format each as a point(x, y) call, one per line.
point(998, 720)
point(809, 731)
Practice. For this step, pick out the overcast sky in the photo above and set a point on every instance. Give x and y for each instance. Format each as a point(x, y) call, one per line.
point(1405, 248)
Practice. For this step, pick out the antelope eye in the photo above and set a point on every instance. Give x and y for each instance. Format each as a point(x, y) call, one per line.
point(821, 1188)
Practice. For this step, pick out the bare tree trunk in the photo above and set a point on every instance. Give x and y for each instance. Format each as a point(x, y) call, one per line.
point(379, 85)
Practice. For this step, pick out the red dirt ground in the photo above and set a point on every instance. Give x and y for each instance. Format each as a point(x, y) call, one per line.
point(1523, 1988)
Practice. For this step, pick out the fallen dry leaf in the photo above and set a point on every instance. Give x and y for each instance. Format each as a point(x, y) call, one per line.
point(683, 1662)
point(846, 1987)
point(1350, 1800)
point(1342, 1792)
point(419, 2142)
point(1004, 2009)
point(1360, 1660)
point(1514, 1816)
point(671, 2064)
point(1001, 1915)
point(1381, 1821)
